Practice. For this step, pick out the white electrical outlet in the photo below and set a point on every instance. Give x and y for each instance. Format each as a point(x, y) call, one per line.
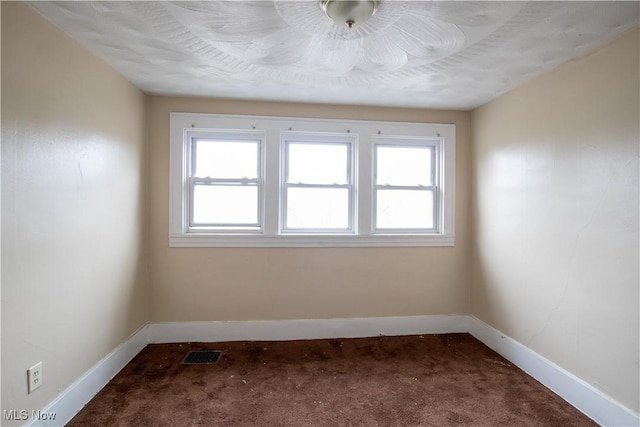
point(34, 376)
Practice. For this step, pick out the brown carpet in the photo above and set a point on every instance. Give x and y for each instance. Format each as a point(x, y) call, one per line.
point(427, 380)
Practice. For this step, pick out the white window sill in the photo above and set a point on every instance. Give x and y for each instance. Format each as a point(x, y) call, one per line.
point(307, 241)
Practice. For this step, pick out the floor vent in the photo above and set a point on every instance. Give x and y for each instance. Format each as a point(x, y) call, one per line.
point(202, 357)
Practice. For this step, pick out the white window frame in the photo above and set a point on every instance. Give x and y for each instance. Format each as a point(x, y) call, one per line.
point(191, 137)
point(273, 131)
point(292, 137)
point(435, 145)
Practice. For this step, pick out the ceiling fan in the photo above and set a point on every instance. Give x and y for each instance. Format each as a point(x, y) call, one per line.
point(349, 12)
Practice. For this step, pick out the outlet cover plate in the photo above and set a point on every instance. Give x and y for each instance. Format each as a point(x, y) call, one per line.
point(34, 377)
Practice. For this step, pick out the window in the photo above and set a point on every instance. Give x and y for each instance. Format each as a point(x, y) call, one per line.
point(405, 195)
point(225, 184)
point(317, 184)
point(268, 181)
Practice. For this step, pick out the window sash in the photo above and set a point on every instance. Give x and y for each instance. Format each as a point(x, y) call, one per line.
point(403, 145)
point(193, 182)
point(194, 154)
point(407, 230)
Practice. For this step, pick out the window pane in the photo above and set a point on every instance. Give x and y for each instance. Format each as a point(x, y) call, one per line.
point(226, 159)
point(315, 208)
point(403, 165)
point(318, 163)
point(404, 209)
point(221, 204)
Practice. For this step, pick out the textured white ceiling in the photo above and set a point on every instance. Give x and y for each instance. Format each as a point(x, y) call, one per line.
point(410, 53)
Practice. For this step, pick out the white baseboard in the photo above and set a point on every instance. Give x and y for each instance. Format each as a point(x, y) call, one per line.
point(78, 394)
point(583, 396)
point(592, 402)
point(283, 330)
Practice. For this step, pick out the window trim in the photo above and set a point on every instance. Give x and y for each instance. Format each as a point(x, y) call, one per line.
point(273, 129)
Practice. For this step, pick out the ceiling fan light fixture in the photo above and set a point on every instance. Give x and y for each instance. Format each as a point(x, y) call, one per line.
point(350, 12)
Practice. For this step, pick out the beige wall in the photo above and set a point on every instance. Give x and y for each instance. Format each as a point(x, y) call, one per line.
point(275, 283)
point(556, 258)
point(73, 206)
